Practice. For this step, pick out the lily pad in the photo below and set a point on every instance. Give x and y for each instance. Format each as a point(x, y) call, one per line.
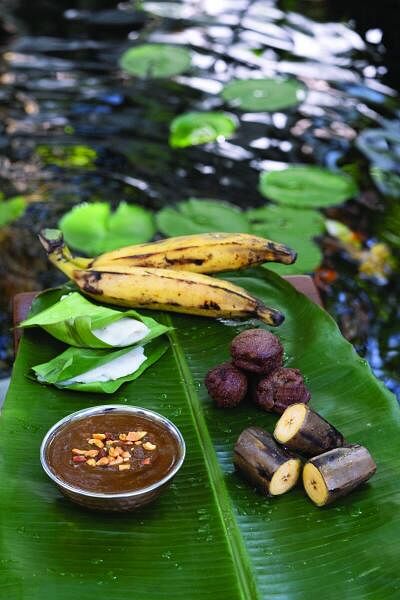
point(93, 229)
point(294, 227)
point(155, 60)
point(286, 221)
point(194, 128)
point(307, 186)
point(263, 94)
point(78, 156)
point(201, 216)
point(12, 209)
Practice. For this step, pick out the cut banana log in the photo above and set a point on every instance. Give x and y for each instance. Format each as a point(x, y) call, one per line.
point(336, 473)
point(262, 462)
point(159, 289)
point(305, 431)
point(202, 253)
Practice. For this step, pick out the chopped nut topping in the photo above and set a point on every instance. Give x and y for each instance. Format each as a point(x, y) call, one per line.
point(90, 453)
point(134, 436)
point(79, 459)
point(115, 451)
point(124, 467)
point(112, 451)
point(149, 446)
point(96, 442)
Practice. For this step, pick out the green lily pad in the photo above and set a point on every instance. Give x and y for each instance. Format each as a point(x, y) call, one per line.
point(309, 258)
point(155, 60)
point(12, 209)
point(194, 128)
point(307, 186)
point(263, 94)
point(286, 221)
point(201, 216)
point(77, 156)
point(93, 229)
point(294, 227)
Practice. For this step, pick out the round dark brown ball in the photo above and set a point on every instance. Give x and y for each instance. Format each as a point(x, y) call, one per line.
point(226, 385)
point(280, 389)
point(257, 351)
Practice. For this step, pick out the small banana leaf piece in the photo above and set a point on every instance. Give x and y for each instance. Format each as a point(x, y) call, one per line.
point(71, 318)
point(76, 361)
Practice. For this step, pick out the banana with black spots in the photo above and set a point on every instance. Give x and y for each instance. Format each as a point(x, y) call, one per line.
point(160, 289)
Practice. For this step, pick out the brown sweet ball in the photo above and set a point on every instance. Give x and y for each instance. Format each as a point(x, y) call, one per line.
point(280, 389)
point(257, 350)
point(226, 385)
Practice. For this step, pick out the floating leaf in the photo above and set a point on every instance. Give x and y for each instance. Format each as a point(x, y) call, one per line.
point(307, 186)
point(209, 532)
point(287, 221)
point(92, 228)
point(201, 216)
point(193, 128)
point(67, 156)
point(155, 60)
point(263, 94)
point(11, 209)
point(294, 227)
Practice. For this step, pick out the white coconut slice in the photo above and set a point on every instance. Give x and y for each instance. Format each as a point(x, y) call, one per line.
point(124, 332)
point(114, 369)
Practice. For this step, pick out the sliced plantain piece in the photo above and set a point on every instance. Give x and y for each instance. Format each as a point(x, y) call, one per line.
point(336, 473)
point(303, 430)
point(262, 462)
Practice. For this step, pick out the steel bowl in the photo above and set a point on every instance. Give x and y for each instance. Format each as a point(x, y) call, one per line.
point(124, 501)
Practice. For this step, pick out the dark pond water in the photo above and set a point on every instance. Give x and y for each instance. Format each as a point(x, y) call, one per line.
point(62, 92)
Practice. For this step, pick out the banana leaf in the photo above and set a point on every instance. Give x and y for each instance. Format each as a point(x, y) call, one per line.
point(71, 318)
point(209, 536)
point(75, 361)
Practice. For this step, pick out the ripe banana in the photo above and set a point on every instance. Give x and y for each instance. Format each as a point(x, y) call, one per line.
point(161, 289)
point(336, 473)
point(203, 253)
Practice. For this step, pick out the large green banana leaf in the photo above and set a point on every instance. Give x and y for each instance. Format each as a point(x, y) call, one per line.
point(210, 536)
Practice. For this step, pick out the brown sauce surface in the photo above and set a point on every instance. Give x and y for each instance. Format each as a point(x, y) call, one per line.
point(110, 479)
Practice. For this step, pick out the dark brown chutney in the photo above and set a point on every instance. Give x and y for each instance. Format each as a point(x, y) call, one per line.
point(146, 466)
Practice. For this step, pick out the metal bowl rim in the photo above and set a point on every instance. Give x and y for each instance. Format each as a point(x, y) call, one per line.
point(138, 410)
